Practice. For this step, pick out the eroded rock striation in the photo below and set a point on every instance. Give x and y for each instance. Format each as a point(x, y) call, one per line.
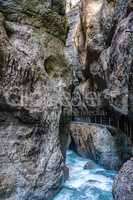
point(34, 82)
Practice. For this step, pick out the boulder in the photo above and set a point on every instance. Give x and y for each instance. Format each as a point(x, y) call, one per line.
point(110, 148)
point(90, 165)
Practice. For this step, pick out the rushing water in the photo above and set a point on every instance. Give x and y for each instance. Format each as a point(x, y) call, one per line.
point(93, 184)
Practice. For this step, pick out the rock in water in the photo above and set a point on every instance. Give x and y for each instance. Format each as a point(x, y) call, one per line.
point(123, 184)
point(66, 172)
point(109, 148)
point(90, 165)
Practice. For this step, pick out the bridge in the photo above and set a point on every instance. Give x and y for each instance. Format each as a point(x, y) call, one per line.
point(108, 118)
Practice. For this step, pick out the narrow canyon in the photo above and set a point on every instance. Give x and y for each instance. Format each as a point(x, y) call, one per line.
point(66, 99)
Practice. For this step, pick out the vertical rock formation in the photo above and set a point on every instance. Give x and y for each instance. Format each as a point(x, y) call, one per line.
point(90, 43)
point(104, 43)
point(71, 51)
point(104, 40)
point(34, 82)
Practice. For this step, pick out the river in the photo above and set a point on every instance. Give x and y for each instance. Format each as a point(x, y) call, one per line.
point(84, 184)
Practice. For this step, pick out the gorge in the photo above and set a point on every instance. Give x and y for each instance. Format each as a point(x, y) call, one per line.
point(66, 99)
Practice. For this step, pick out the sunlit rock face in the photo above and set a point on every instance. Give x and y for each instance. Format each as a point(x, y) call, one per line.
point(34, 81)
point(108, 147)
point(87, 93)
point(123, 184)
point(71, 51)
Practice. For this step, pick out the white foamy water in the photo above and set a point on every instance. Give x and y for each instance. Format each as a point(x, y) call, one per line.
point(94, 184)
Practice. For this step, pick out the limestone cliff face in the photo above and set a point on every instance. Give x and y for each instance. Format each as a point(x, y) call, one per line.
point(34, 82)
point(105, 45)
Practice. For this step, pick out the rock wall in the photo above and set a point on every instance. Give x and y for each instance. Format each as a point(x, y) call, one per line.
point(34, 84)
point(123, 184)
point(104, 42)
point(73, 16)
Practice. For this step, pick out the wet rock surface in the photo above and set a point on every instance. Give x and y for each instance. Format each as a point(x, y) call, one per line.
point(123, 184)
point(90, 165)
point(99, 144)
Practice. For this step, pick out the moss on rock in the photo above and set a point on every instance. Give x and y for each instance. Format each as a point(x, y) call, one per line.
point(56, 66)
point(50, 16)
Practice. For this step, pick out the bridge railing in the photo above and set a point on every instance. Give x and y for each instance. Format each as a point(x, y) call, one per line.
point(119, 122)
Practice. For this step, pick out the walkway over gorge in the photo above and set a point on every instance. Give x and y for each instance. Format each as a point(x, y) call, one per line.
point(109, 119)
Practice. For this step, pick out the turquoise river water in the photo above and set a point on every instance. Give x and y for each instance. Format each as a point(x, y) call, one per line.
point(84, 184)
